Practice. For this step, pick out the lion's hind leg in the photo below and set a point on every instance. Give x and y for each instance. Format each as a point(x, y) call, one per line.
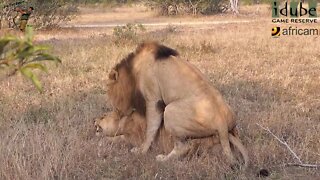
point(177, 122)
point(181, 147)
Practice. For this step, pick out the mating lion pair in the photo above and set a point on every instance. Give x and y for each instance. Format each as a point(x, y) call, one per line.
point(154, 84)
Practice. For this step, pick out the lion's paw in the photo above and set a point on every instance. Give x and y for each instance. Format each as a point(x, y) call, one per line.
point(161, 157)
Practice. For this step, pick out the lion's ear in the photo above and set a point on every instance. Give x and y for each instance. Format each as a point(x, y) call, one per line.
point(113, 75)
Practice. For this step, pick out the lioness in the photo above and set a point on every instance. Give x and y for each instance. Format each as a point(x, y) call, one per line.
point(131, 129)
point(193, 108)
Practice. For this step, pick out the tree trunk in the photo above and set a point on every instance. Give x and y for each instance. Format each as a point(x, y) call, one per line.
point(234, 6)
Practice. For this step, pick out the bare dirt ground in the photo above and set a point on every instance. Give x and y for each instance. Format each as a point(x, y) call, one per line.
point(141, 14)
point(101, 21)
point(271, 81)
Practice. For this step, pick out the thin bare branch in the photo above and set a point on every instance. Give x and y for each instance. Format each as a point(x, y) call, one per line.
point(300, 164)
point(282, 142)
point(304, 165)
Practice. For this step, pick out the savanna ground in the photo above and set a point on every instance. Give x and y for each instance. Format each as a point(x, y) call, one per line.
point(271, 81)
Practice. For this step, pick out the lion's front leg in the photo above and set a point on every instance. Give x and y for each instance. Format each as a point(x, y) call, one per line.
point(154, 118)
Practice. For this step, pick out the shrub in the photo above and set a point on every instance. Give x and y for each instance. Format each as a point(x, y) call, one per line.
point(8, 13)
point(127, 33)
point(21, 55)
point(108, 2)
point(47, 13)
point(50, 13)
point(175, 7)
point(251, 2)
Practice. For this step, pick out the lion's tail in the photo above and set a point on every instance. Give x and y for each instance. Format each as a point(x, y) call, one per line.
point(234, 139)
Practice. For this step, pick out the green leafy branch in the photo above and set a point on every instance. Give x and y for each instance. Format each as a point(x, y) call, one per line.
point(21, 55)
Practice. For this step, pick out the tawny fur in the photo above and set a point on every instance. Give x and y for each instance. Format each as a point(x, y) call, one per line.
point(133, 128)
point(194, 109)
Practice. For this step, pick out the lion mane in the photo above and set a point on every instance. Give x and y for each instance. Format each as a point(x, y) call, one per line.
point(123, 93)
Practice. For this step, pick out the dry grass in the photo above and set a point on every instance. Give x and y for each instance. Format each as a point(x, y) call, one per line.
point(274, 82)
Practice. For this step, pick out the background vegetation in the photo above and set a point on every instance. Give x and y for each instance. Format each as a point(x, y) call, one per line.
point(127, 33)
point(50, 135)
point(46, 14)
point(51, 13)
point(110, 2)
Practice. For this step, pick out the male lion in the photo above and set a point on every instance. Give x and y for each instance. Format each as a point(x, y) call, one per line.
point(193, 108)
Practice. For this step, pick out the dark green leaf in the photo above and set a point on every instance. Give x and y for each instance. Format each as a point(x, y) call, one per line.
point(46, 57)
point(5, 41)
point(25, 52)
point(40, 48)
point(36, 66)
point(29, 74)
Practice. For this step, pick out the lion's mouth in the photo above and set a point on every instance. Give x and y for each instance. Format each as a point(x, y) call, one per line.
point(98, 130)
